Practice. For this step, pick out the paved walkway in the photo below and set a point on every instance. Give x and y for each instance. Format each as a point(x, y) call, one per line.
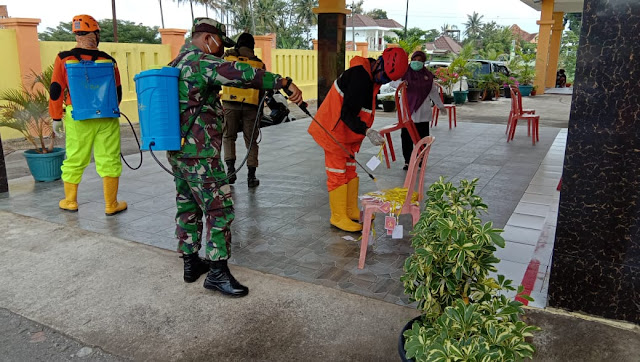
point(282, 226)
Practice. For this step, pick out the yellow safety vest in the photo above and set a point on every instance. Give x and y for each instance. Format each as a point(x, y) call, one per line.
point(248, 95)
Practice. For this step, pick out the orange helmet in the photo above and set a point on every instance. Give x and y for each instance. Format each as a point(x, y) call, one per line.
point(396, 62)
point(84, 23)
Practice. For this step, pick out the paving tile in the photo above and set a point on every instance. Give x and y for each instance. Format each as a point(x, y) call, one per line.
point(516, 252)
point(521, 235)
point(511, 270)
point(537, 199)
point(526, 221)
point(526, 208)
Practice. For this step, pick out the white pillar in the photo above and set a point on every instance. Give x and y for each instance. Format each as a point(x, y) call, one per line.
point(376, 40)
point(383, 42)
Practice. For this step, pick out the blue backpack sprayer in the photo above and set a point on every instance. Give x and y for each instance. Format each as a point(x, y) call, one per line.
point(92, 86)
point(159, 114)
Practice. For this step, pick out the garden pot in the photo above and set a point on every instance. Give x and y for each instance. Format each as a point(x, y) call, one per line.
point(525, 90)
point(460, 96)
point(533, 92)
point(447, 99)
point(474, 95)
point(487, 95)
point(507, 92)
point(501, 92)
point(401, 351)
point(45, 167)
point(388, 106)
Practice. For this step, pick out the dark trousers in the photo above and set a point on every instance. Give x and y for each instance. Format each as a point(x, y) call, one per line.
point(407, 143)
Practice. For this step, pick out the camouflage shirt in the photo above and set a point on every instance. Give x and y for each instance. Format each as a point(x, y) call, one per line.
point(202, 75)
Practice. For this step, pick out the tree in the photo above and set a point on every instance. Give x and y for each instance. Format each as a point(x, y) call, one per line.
point(377, 14)
point(431, 35)
point(356, 7)
point(473, 25)
point(445, 27)
point(128, 32)
point(569, 44)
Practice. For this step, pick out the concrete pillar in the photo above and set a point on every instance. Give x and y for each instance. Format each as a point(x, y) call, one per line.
point(4, 185)
point(554, 49)
point(596, 255)
point(383, 42)
point(266, 43)
point(175, 39)
point(377, 42)
point(363, 47)
point(544, 38)
point(28, 46)
point(332, 23)
point(315, 44)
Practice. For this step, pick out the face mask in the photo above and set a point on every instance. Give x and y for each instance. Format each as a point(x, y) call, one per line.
point(416, 65)
point(379, 76)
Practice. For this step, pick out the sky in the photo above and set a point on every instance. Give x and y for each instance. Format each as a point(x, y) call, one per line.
point(425, 14)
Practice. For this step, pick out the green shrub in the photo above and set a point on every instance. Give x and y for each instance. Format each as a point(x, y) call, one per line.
point(464, 315)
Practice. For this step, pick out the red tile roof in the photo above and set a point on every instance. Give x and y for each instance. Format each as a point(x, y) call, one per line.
point(447, 43)
point(519, 33)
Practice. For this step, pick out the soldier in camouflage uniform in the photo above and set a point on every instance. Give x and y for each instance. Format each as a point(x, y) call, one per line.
point(200, 185)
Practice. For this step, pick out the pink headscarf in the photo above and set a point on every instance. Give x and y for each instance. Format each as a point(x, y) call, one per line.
point(419, 84)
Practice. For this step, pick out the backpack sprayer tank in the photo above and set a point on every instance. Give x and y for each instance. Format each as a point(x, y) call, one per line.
point(158, 108)
point(92, 87)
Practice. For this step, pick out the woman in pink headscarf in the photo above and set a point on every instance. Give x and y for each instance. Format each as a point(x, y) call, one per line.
point(421, 91)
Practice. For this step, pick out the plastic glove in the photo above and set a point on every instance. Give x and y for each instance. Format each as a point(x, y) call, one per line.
point(375, 137)
point(58, 129)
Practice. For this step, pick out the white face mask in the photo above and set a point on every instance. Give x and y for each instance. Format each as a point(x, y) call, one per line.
point(210, 52)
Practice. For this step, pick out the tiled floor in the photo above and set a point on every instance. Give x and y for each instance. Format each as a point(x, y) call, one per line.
point(282, 226)
point(530, 231)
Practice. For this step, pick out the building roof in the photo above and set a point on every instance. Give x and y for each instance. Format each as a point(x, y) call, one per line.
point(447, 43)
point(364, 21)
point(519, 33)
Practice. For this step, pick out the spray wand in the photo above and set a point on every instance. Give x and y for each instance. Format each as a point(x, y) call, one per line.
point(303, 106)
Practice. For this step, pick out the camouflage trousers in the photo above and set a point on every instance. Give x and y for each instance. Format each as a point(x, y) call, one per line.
point(197, 196)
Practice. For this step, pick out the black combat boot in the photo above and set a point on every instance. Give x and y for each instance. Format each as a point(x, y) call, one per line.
point(220, 279)
point(231, 169)
point(194, 267)
point(252, 181)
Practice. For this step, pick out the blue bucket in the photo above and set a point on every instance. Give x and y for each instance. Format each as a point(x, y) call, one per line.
point(158, 108)
point(92, 86)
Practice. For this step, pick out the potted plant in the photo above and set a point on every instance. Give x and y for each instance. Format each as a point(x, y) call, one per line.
point(533, 91)
point(446, 77)
point(464, 315)
point(526, 73)
point(490, 86)
point(388, 103)
point(27, 111)
point(474, 90)
point(464, 69)
point(507, 83)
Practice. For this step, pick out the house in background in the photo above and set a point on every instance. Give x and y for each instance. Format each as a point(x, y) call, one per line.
point(443, 48)
point(523, 35)
point(362, 28)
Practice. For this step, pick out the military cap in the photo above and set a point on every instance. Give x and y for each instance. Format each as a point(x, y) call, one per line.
point(208, 25)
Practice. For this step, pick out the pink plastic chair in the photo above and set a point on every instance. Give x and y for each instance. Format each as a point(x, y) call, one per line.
point(451, 109)
point(415, 174)
point(404, 121)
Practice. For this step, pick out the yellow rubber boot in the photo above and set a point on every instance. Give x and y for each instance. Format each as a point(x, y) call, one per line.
point(70, 201)
point(338, 204)
point(112, 205)
point(353, 211)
